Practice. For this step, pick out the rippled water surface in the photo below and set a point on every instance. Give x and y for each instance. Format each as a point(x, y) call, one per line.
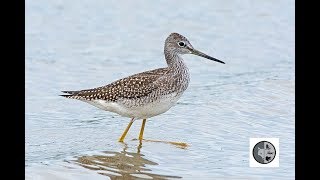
point(73, 45)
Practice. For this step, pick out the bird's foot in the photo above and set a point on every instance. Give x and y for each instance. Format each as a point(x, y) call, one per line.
point(181, 145)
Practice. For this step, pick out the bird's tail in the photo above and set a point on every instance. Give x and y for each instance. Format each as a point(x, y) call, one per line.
point(68, 93)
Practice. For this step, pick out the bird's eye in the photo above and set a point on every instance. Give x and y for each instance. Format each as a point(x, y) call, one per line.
point(182, 44)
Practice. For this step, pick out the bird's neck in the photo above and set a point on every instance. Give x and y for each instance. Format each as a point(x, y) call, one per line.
point(174, 60)
point(178, 70)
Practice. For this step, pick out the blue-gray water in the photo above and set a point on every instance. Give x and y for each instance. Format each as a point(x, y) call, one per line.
point(72, 45)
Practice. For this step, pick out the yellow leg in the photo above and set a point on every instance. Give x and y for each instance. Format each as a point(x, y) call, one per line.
point(142, 129)
point(126, 131)
point(181, 145)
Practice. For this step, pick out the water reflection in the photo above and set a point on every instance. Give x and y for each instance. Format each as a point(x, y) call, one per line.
point(121, 165)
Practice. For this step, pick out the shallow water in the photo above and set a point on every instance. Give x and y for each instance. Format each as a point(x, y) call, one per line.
point(73, 45)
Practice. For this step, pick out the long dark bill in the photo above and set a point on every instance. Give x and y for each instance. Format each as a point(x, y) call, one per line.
point(198, 53)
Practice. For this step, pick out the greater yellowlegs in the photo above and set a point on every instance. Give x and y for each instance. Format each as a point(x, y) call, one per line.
point(145, 94)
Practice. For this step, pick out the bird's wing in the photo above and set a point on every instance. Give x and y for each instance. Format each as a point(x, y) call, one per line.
point(135, 86)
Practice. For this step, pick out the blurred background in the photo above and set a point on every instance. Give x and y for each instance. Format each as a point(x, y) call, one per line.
point(72, 45)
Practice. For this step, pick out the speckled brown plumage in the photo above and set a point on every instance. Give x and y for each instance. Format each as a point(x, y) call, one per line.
point(135, 86)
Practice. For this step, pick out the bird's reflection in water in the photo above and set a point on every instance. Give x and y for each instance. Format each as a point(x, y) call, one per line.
point(121, 165)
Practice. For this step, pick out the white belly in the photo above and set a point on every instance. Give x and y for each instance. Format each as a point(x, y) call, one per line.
point(138, 112)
